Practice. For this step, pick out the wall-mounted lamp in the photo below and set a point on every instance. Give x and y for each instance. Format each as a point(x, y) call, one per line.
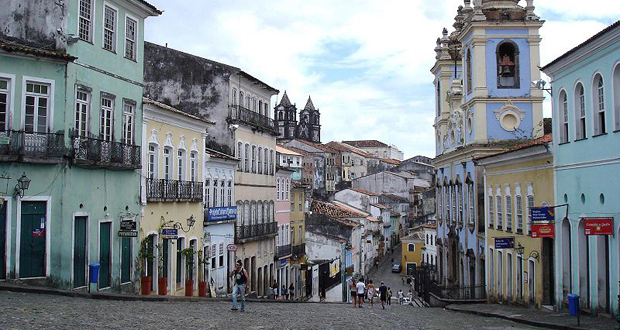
point(190, 223)
point(520, 249)
point(23, 183)
point(540, 84)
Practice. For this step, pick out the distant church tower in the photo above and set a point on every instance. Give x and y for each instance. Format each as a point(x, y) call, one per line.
point(286, 118)
point(309, 127)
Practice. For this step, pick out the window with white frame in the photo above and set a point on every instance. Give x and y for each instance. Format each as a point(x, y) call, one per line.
point(500, 209)
point(239, 156)
point(530, 205)
point(241, 99)
point(109, 28)
point(207, 193)
point(564, 117)
point(230, 192)
point(287, 189)
point(580, 112)
point(85, 23)
point(131, 37)
point(215, 196)
point(459, 204)
point(453, 202)
point(37, 107)
point(246, 158)
point(598, 108)
point(5, 103)
point(213, 256)
point(254, 105)
point(82, 104)
point(167, 163)
point(193, 170)
point(129, 112)
point(508, 210)
point(271, 166)
point(106, 123)
point(278, 189)
point(519, 206)
point(253, 159)
point(181, 164)
point(152, 159)
point(234, 96)
point(260, 158)
point(491, 212)
point(221, 263)
point(470, 196)
point(266, 169)
point(222, 192)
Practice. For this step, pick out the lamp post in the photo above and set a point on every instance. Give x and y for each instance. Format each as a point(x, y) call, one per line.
point(190, 223)
point(23, 183)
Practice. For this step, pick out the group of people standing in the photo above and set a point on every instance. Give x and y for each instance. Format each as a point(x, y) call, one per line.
point(361, 291)
point(285, 293)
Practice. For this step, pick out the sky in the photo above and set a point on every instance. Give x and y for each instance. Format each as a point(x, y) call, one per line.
point(365, 63)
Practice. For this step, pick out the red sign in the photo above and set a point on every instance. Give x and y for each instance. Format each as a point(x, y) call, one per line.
point(599, 226)
point(543, 230)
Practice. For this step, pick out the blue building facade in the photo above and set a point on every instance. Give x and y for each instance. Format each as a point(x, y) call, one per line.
point(586, 141)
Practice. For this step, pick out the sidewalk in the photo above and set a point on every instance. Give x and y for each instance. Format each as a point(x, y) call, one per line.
point(536, 317)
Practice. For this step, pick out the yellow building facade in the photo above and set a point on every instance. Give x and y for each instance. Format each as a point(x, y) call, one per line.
point(519, 267)
point(171, 229)
point(411, 252)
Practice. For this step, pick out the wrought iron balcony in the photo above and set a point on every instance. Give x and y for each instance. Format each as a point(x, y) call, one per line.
point(238, 113)
point(283, 250)
point(173, 190)
point(255, 232)
point(32, 147)
point(299, 250)
point(89, 151)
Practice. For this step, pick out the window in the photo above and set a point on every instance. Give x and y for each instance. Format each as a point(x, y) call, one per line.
point(5, 85)
point(616, 97)
point(519, 202)
point(292, 202)
point(508, 213)
point(598, 98)
point(453, 202)
point(105, 124)
point(470, 195)
point(152, 166)
point(580, 111)
point(500, 215)
point(507, 65)
point(246, 158)
point(253, 159)
point(271, 162)
point(222, 192)
point(439, 204)
point(230, 193)
point(530, 205)
point(109, 29)
point(459, 202)
point(181, 164)
point(563, 117)
point(278, 189)
point(85, 20)
point(260, 158)
point(260, 107)
point(168, 163)
point(468, 72)
point(221, 255)
point(193, 173)
point(131, 36)
point(411, 247)
point(37, 107)
point(491, 213)
point(266, 170)
point(215, 199)
point(301, 200)
point(234, 96)
point(213, 256)
point(239, 156)
point(241, 99)
point(128, 121)
point(82, 104)
point(207, 193)
point(287, 189)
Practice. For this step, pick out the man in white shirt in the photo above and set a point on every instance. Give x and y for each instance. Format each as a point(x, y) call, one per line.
point(360, 292)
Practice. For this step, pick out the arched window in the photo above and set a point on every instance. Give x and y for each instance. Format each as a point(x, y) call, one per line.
point(468, 70)
point(280, 115)
point(260, 160)
point(253, 159)
point(246, 214)
point(234, 97)
point(168, 163)
point(266, 170)
point(153, 158)
point(260, 107)
point(278, 189)
point(181, 165)
point(241, 99)
point(239, 156)
point(563, 117)
point(239, 205)
point(507, 65)
point(616, 97)
point(193, 166)
point(580, 112)
point(271, 162)
point(438, 91)
point(598, 106)
point(246, 158)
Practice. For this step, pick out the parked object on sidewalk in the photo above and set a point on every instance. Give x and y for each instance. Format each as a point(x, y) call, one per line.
point(396, 268)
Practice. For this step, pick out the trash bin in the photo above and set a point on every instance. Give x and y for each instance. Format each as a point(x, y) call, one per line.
point(93, 270)
point(573, 304)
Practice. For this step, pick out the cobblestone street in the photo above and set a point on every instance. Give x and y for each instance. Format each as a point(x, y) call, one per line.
point(39, 311)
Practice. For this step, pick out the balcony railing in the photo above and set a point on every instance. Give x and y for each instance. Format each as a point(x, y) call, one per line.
point(173, 190)
point(111, 154)
point(247, 116)
point(32, 147)
point(253, 232)
point(299, 250)
point(283, 250)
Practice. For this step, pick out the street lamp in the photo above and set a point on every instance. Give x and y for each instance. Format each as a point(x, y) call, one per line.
point(177, 225)
point(23, 183)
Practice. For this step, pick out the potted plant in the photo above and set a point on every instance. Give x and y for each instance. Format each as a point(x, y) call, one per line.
point(202, 284)
point(162, 279)
point(145, 255)
point(188, 253)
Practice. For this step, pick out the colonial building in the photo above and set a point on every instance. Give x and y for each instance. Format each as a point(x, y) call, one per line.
point(484, 102)
point(412, 247)
point(283, 218)
point(378, 149)
point(71, 103)
point(172, 197)
point(586, 129)
point(324, 161)
point(307, 128)
point(353, 161)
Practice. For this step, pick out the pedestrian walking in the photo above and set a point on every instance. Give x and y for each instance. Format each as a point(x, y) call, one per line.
point(383, 294)
point(389, 296)
point(291, 292)
point(371, 293)
point(353, 288)
point(400, 296)
point(361, 287)
point(283, 292)
point(274, 288)
point(240, 277)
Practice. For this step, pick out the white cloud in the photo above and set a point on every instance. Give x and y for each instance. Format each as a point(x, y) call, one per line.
point(382, 88)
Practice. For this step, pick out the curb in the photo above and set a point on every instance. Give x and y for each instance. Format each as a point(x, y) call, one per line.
point(517, 320)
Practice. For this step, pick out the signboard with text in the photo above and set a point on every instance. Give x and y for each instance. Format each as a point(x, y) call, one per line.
point(169, 233)
point(127, 233)
point(546, 230)
point(539, 214)
point(222, 213)
point(504, 242)
point(128, 225)
point(599, 226)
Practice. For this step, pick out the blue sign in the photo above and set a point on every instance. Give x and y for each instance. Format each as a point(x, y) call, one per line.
point(222, 213)
point(282, 262)
point(504, 242)
point(542, 214)
point(169, 233)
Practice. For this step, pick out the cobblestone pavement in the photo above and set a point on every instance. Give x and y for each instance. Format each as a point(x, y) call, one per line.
point(39, 311)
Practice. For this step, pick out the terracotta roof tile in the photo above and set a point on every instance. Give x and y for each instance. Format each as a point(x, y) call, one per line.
point(545, 139)
point(365, 192)
point(365, 143)
point(391, 161)
point(36, 51)
point(334, 211)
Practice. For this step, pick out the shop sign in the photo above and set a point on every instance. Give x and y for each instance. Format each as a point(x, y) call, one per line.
point(231, 247)
point(599, 226)
point(504, 242)
point(539, 214)
point(543, 230)
point(222, 213)
point(169, 233)
point(128, 225)
point(127, 233)
point(282, 262)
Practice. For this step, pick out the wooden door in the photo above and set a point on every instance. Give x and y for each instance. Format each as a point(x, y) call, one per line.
point(32, 239)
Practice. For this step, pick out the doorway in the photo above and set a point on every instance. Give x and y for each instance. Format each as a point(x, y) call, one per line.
point(548, 272)
point(3, 239)
point(32, 239)
point(105, 255)
point(126, 259)
point(531, 282)
point(602, 262)
point(79, 251)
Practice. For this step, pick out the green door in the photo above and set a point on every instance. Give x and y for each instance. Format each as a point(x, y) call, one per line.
point(32, 240)
point(164, 257)
point(179, 260)
point(411, 269)
point(3, 240)
point(126, 259)
point(105, 255)
point(79, 252)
